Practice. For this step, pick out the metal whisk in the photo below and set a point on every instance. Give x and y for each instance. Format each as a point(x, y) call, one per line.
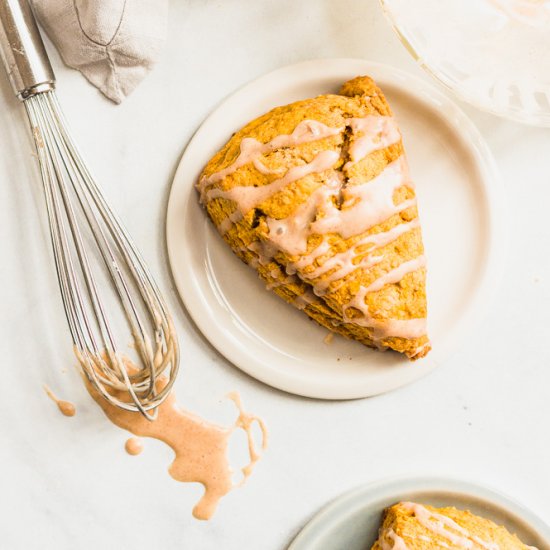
point(93, 252)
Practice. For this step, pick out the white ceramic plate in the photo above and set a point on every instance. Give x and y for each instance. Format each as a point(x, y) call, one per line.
point(352, 521)
point(272, 341)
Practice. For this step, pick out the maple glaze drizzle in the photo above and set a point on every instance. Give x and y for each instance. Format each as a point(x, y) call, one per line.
point(251, 150)
point(200, 446)
point(248, 197)
point(397, 542)
point(333, 208)
point(376, 132)
point(441, 525)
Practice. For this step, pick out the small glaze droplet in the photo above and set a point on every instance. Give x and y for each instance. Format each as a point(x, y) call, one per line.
point(133, 446)
point(66, 407)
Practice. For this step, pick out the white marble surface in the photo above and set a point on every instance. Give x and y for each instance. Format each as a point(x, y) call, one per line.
point(67, 483)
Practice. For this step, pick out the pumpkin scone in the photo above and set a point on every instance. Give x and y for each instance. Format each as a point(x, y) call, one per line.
point(411, 526)
point(316, 196)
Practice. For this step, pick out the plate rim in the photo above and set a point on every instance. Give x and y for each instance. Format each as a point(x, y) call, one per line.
point(186, 280)
point(331, 513)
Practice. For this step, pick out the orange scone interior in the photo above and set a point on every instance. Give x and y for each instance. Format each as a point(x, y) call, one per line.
point(411, 526)
point(316, 195)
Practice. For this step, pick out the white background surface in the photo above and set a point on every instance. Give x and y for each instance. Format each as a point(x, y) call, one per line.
point(67, 483)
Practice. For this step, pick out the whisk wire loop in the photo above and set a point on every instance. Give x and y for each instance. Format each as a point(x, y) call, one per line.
point(65, 178)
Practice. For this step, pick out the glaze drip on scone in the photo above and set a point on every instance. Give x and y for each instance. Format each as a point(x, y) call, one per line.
point(409, 526)
point(378, 132)
point(316, 211)
point(363, 207)
point(341, 264)
point(367, 204)
point(446, 527)
point(397, 543)
point(251, 150)
point(404, 328)
point(248, 197)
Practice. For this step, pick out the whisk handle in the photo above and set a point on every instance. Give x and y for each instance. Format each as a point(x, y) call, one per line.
point(23, 51)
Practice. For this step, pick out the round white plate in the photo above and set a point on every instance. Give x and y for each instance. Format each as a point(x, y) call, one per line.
point(352, 521)
point(274, 342)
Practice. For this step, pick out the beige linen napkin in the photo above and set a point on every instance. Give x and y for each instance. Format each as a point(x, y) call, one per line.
point(113, 43)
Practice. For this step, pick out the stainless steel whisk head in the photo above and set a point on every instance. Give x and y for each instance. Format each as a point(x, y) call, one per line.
point(92, 250)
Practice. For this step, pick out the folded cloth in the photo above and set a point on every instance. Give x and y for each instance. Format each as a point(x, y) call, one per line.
point(113, 43)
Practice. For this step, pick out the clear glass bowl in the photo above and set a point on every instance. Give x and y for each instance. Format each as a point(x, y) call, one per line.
point(494, 54)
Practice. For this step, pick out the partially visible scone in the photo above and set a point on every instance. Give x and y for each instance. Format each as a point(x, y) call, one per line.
point(317, 197)
point(410, 526)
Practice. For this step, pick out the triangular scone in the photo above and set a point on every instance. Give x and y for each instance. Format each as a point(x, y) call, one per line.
point(410, 526)
point(317, 197)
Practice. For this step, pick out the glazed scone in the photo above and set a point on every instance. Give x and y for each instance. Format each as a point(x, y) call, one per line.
point(410, 526)
point(316, 195)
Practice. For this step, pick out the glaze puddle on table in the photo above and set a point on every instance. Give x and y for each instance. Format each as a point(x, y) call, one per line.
point(200, 446)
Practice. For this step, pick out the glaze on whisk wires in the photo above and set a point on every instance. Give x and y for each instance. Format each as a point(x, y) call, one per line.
point(77, 209)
